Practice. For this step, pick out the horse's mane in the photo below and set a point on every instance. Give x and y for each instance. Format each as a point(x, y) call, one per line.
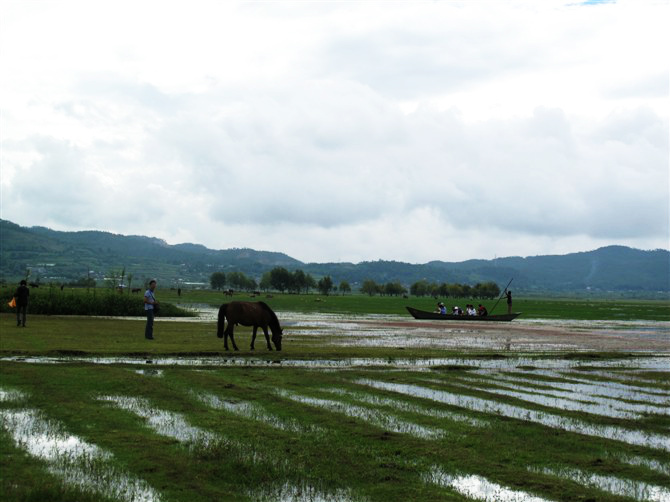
point(273, 316)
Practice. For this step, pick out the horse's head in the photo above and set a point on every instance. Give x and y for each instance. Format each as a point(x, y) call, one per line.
point(276, 337)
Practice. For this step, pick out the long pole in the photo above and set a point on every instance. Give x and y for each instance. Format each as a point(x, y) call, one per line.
point(503, 294)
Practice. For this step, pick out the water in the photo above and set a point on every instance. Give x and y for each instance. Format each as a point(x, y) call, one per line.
point(73, 460)
point(611, 484)
point(375, 417)
point(640, 438)
point(479, 488)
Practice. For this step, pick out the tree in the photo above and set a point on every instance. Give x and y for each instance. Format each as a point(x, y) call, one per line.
point(325, 284)
point(217, 280)
point(420, 288)
point(369, 287)
point(266, 282)
point(239, 280)
point(394, 289)
point(280, 278)
point(344, 287)
point(298, 282)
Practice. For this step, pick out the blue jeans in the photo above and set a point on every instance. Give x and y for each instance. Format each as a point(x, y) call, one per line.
point(149, 330)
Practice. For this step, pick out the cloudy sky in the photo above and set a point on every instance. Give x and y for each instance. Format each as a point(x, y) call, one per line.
point(341, 131)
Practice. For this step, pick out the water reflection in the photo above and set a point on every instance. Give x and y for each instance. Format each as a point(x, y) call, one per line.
point(72, 459)
point(165, 423)
point(302, 493)
point(478, 487)
point(659, 363)
point(634, 437)
point(375, 417)
point(397, 404)
point(616, 486)
point(255, 412)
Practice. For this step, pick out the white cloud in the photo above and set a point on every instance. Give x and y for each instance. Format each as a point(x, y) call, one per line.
point(341, 131)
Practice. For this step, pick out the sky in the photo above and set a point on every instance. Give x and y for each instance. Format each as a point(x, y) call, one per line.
point(341, 131)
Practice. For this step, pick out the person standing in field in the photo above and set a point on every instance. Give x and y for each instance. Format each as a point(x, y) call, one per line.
point(509, 302)
point(21, 295)
point(150, 308)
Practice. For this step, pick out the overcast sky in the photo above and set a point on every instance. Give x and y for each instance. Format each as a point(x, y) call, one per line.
point(341, 131)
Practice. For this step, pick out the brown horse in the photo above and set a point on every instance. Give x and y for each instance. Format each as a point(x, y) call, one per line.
point(256, 314)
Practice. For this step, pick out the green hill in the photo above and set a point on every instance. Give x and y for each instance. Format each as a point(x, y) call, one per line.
point(58, 257)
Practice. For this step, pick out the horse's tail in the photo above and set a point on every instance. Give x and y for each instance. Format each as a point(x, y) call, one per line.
point(274, 321)
point(221, 320)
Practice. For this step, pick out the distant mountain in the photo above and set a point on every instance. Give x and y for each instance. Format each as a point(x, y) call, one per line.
point(54, 256)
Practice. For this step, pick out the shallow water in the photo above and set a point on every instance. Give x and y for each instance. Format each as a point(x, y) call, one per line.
point(375, 417)
point(611, 484)
point(288, 492)
point(567, 400)
point(405, 406)
point(659, 363)
point(478, 487)
point(629, 436)
point(255, 412)
point(165, 423)
point(72, 459)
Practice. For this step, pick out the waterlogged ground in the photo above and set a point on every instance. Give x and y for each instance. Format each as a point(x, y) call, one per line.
point(512, 418)
point(396, 331)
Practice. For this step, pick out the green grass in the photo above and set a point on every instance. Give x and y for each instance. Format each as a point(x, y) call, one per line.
point(532, 308)
point(332, 452)
point(347, 453)
point(79, 301)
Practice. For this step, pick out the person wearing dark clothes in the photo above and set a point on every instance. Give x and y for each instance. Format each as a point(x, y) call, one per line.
point(150, 305)
point(21, 295)
point(509, 302)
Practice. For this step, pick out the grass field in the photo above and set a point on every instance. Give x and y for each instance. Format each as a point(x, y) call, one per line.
point(532, 308)
point(308, 424)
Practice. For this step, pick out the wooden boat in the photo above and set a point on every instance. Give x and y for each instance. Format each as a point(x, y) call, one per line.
point(422, 314)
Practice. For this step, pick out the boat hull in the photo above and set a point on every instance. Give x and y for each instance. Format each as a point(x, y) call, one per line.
point(422, 314)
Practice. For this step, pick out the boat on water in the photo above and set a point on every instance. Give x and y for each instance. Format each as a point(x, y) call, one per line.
point(422, 314)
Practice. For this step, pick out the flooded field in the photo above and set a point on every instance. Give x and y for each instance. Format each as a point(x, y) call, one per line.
point(402, 331)
point(521, 423)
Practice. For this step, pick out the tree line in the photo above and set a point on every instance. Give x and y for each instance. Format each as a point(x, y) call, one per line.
point(282, 280)
point(485, 290)
point(278, 279)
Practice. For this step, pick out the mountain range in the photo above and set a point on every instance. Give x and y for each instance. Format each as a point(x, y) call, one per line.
point(58, 257)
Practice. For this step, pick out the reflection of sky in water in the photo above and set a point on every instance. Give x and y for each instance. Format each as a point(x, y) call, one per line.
point(633, 437)
point(372, 416)
point(572, 382)
point(509, 363)
point(304, 493)
point(7, 395)
point(254, 412)
point(616, 486)
point(405, 406)
point(72, 459)
point(165, 423)
point(567, 400)
point(654, 465)
point(478, 487)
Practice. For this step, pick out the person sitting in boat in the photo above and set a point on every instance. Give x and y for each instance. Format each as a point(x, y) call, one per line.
point(457, 310)
point(441, 308)
point(481, 311)
point(471, 310)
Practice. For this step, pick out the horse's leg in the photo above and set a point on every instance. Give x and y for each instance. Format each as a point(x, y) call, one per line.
point(267, 337)
point(253, 337)
point(225, 336)
point(232, 339)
